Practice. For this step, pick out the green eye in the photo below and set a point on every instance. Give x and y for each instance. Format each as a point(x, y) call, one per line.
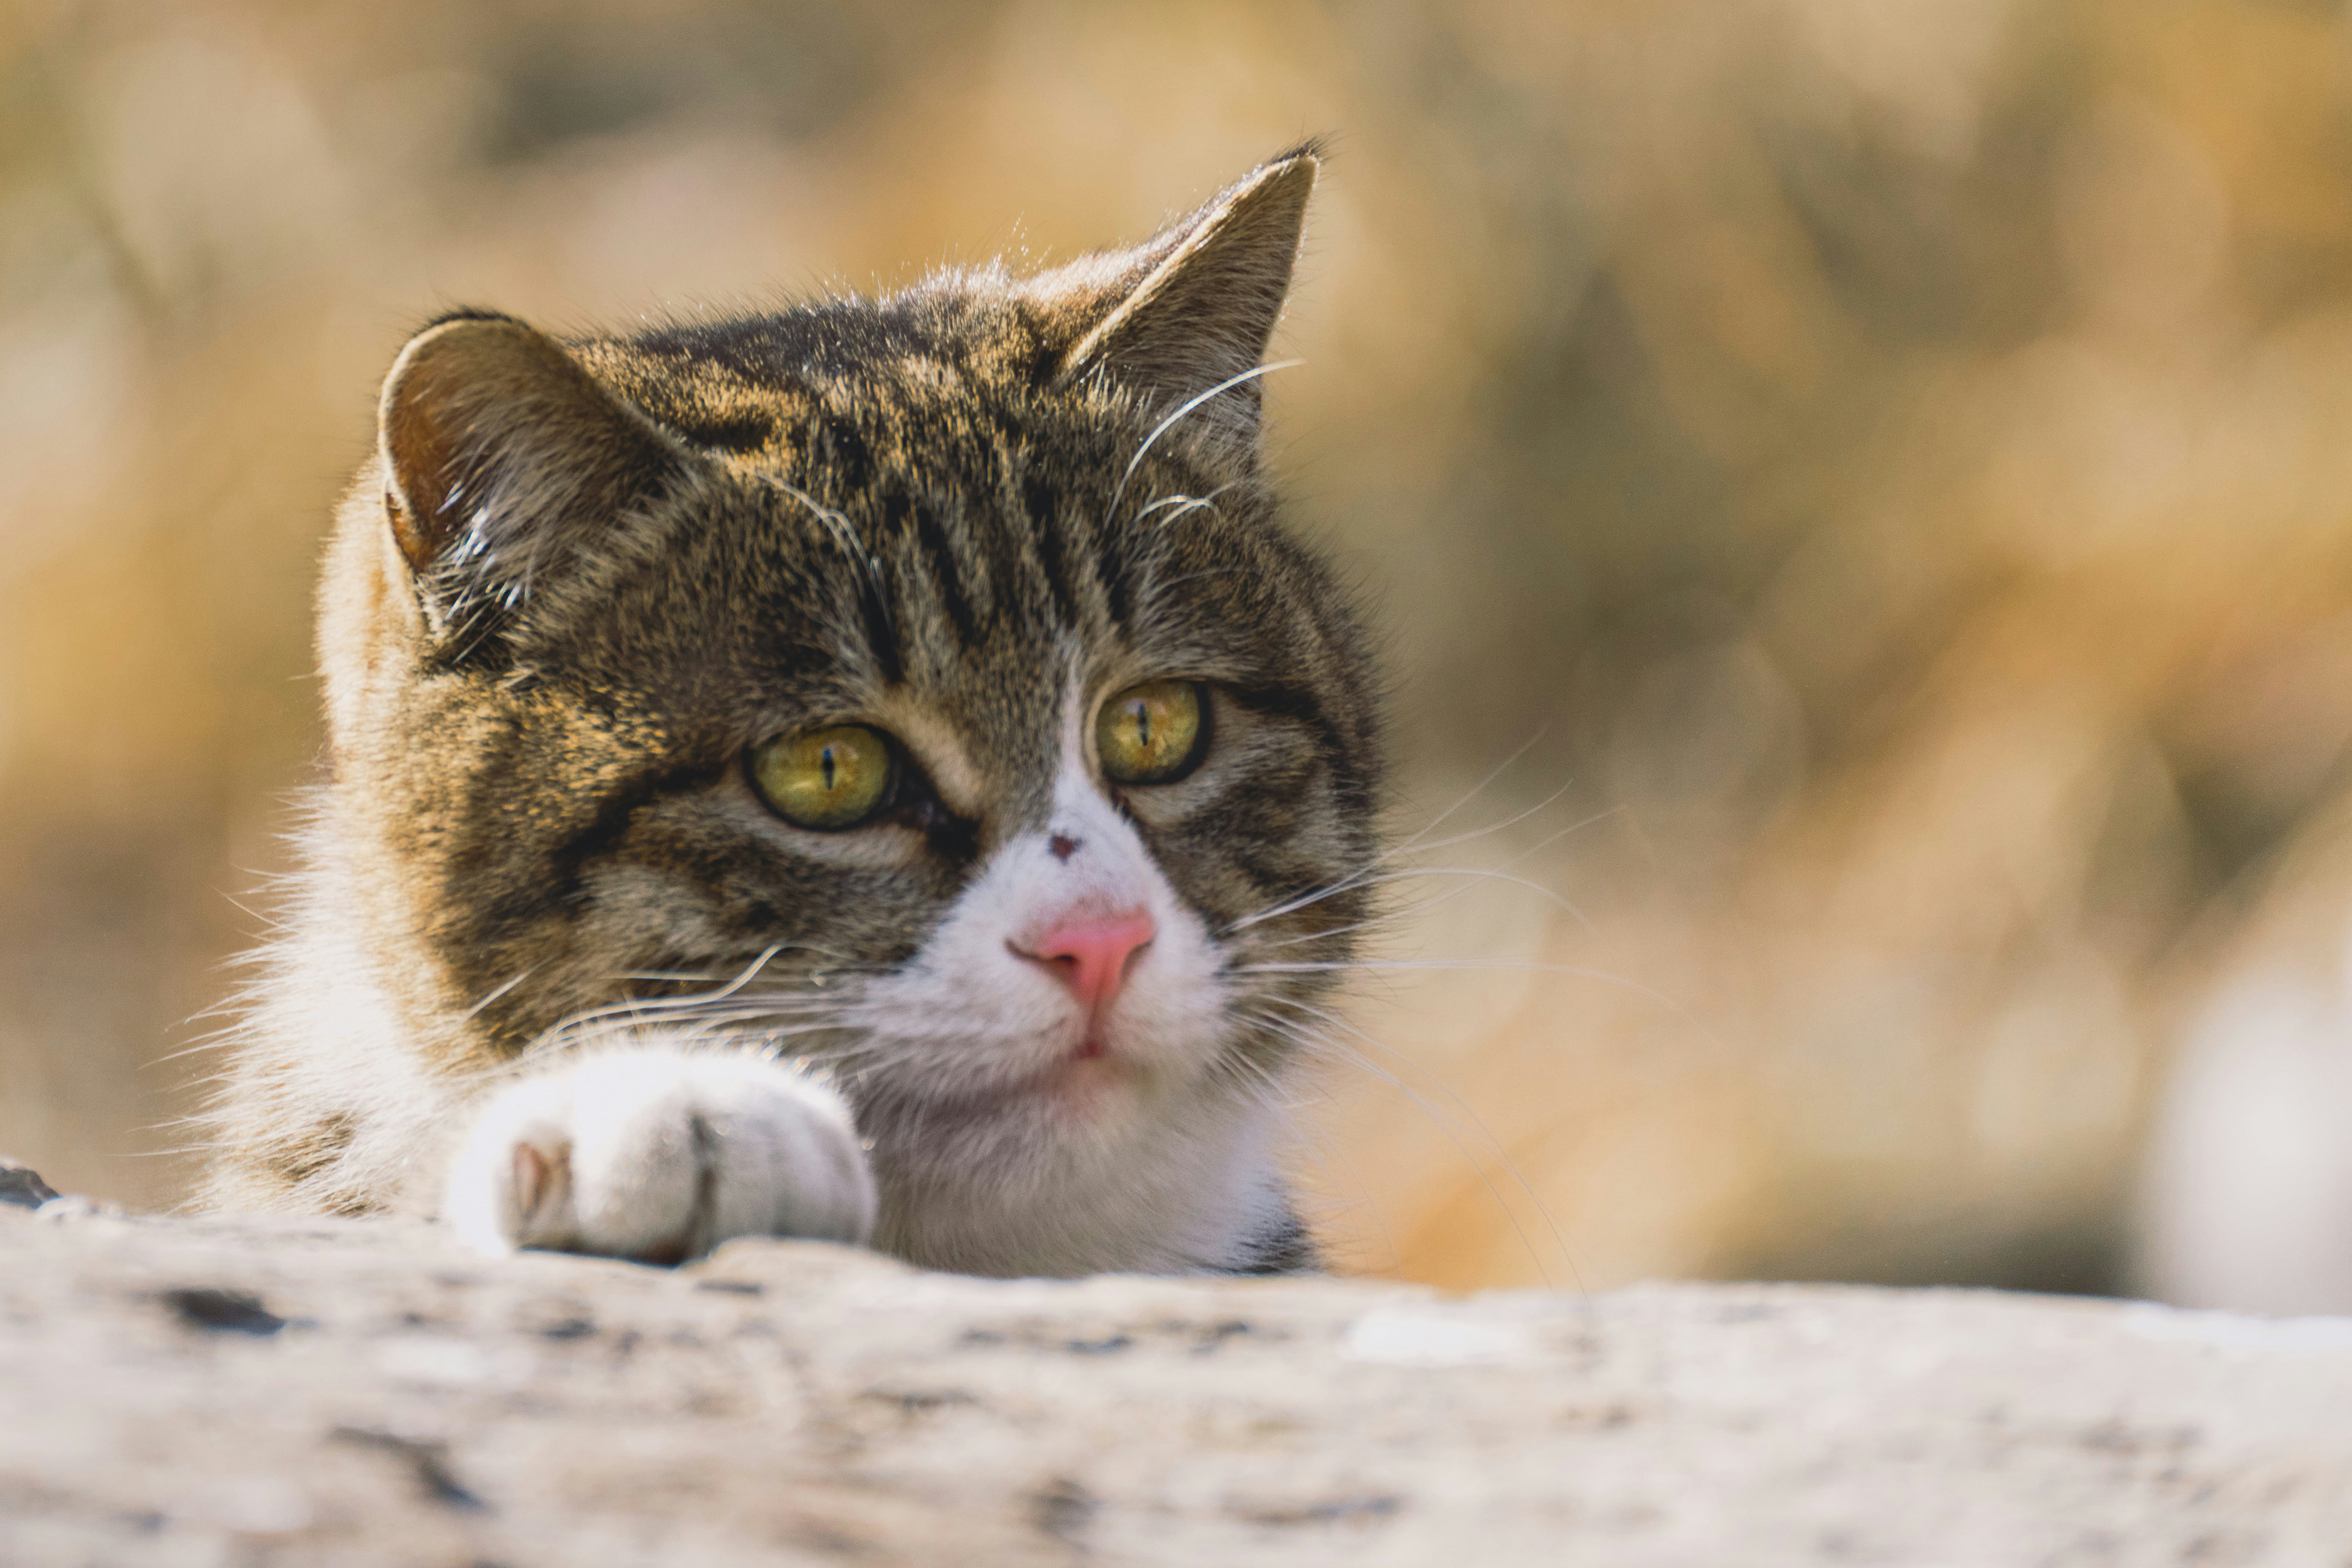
point(1152, 733)
point(827, 778)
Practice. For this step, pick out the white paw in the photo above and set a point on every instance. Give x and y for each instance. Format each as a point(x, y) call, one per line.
point(659, 1156)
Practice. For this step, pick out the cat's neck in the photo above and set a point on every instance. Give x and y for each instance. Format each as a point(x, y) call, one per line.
point(1195, 1191)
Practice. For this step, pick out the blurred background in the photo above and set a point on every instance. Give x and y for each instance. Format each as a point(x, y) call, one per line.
point(1860, 496)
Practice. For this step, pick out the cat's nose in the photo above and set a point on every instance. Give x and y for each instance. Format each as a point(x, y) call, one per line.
point(1093, 956)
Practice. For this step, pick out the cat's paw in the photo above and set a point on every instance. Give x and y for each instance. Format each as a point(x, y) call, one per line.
point(659, 1156)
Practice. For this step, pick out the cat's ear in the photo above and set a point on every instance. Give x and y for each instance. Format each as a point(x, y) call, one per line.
point(1188, 315)
point(504, 459)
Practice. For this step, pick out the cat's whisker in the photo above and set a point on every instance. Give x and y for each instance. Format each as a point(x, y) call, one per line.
point(709, 1018)
point(1185, 504)
point(1474, 874)
point(750, 973)
point(512, 981)
point(1501, 873)
point(1368, 875)
point(1380, 919)
point(1412, 843)
point(1414, 846)
point(797, 1009)
point(621, 1021)
point(840, 964)
point(1182, 409)
point(1332, 934)
point(636, 1006)
point(1164, 500)
point(1285, 1098)
point(1203, 504)
point(1457, 965)
point(622, 1035)
point(1512, 820)
point(1304, 900)
point(1494, 1145)
point(730, 1007)
point(1327, 1019)
point(845, 534)
point(735, 1035)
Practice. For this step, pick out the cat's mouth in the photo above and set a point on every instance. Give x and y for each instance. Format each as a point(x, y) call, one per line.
point(1088, 1071)
point(1081, 1084)
point(1077, 1085)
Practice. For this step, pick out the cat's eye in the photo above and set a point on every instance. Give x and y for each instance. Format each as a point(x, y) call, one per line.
point(1152, 733)
point(826, 779)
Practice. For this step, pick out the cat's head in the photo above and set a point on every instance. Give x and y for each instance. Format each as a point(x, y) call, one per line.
point(935, 666)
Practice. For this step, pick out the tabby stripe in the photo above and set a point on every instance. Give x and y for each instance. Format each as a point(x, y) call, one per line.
point(568, 863)
point(1113, 565)
point(881, 637)
point(1293, 702)
point(1037, 504)
point(941, 560)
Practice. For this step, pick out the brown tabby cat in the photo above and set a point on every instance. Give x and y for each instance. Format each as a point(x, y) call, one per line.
point(877, 770)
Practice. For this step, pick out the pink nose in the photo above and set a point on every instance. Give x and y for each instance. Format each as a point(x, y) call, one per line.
point(1092, 956)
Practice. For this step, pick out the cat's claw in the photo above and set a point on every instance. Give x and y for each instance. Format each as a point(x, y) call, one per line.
point(659, 1156)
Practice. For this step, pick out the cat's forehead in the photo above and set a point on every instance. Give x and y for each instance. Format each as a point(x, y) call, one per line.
point(744, 385)
point(916, 521)
point(911, 531)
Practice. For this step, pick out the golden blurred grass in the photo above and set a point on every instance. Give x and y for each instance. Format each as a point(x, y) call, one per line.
point(1881, 471)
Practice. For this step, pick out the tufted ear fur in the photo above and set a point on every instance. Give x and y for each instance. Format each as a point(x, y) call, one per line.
point(1193, 308)
point(505, 463)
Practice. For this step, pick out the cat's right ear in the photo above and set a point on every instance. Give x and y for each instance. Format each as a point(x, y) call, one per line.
point(504, 461)
point(1183, 322)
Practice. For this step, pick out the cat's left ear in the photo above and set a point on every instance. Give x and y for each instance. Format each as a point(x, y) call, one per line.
point(1187, 316)
point(507, 467)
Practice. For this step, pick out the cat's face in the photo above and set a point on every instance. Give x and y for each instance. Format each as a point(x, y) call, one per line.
point(907, 663)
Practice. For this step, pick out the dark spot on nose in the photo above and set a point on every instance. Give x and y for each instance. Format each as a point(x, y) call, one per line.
point(1063, 846)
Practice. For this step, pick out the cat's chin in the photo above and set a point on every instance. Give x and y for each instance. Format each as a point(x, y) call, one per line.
point(1086, 1085)
point(1084, 1089)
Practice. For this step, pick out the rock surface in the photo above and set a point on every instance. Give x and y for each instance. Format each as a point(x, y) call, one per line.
point(203, 1391)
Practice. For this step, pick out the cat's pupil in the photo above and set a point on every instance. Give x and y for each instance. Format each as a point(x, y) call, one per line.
point(1142, 712)
point(825, 762)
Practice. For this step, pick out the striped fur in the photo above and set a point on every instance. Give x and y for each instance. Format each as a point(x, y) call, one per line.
point(584, 576)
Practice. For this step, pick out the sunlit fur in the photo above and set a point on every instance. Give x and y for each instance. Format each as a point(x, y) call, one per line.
point(583, 579)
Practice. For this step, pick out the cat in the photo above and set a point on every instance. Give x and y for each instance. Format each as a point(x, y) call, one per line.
point(879, 770)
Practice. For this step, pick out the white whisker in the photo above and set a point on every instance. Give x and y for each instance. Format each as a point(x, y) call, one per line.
point(1475, 964)
point(1367, 878)
point(510, 984)
point(1182, 409)
point(1475, 790)
point(1309, 1039)
point(637, 1004)
point(1414, 846)
point(845, 534)
point(1185, 504)
point(1472, 873)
